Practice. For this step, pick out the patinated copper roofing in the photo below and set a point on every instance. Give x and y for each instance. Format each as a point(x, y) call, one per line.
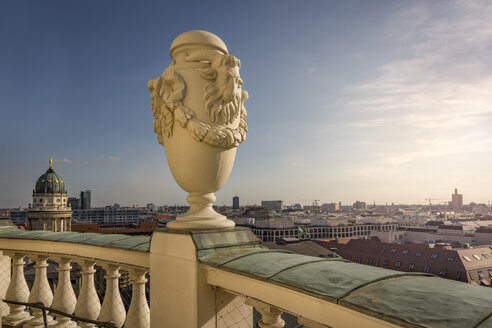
point(132, 243)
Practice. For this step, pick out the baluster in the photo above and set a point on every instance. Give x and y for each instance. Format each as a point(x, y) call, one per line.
point(88, 305)
point(5, 271)
point(112, 308)
point(270, 316)
point(138, 313)
point(40, 292)
point(64, 299)
point(17, 291)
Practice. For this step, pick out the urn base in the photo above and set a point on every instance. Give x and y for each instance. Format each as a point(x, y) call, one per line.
point(201, 215)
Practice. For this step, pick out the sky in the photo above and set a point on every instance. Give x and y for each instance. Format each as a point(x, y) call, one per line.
point(378, 101)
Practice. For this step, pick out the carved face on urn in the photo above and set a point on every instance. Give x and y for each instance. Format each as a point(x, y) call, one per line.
point(224, 97)
point(230, 83)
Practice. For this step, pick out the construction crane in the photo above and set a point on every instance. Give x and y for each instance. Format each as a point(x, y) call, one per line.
point(430, 203)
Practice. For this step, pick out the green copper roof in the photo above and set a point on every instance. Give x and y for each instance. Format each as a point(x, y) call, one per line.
point(406, 299)
point(5, 223)
point(120, 241)
point(49, 182)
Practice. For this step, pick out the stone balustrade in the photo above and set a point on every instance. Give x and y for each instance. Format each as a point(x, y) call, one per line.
point(96, 255)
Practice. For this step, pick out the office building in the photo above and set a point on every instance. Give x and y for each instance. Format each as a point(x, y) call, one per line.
point(235, 202)
point(85, 200)
point(74, 203)
point(358, 205)
point(273, 205)
point(110, 214)
point(330, 208)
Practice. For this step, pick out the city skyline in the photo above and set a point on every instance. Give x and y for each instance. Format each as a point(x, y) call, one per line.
point(383, 101)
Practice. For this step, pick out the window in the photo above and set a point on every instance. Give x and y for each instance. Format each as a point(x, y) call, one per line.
point(397, 264)
point(419, 253)
point(477, 257)
point(486, 256)
point(458, 276)
point(427, 268)
point(393, 250)
point(386, 262)
point(467, 258)
point(434, 256)
point(443, 272)
point(411, 266)
point(481, 275)
point(369, 261)
point(450, 258)
point(405, 251)
point(348, 257)
point(357, 260)
point(471, 275)
point(490, 273)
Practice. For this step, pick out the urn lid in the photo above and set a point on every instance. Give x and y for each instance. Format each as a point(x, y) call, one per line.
point(197, 39)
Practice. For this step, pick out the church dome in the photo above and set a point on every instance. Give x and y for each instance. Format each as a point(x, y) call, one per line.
point(50, 182)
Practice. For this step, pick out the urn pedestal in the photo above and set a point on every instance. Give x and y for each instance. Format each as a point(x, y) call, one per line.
point(200, 119)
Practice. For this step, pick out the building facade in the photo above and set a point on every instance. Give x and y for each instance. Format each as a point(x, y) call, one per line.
point(271, 234)
point(358, 205)
point(74, 203)
point(456, 200)
point(330, 208)
point(110, 214)
point(273, 205)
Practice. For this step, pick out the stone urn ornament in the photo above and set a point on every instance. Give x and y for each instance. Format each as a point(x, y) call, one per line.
point(200, 119)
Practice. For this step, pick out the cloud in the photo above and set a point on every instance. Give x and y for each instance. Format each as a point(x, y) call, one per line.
point(369, 123)
point(435, 99)
point(101, 159)
point(64, 160)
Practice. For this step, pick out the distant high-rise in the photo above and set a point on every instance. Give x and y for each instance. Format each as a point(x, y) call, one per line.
point(235, 202)
point(85, 199)
point(456, 200)
point(74, 203)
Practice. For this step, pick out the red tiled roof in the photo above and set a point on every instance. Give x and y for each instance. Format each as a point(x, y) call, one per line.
point(441, 261)
point(143, 228)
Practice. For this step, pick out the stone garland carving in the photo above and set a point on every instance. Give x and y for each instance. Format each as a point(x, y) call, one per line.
point(224, 101)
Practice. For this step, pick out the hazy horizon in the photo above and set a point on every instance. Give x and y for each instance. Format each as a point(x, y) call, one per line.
point(381, 101)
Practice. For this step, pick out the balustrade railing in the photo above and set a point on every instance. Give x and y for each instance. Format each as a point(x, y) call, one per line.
point(213, 279)
point(97, 295)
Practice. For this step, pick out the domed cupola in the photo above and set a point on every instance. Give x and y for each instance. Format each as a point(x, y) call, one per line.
point(50, 182)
